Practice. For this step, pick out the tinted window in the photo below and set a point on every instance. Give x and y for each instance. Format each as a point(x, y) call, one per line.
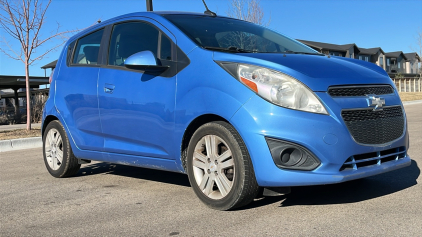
point(223, 32)
point(87, 48)
point(165, 52)
point(130, 38)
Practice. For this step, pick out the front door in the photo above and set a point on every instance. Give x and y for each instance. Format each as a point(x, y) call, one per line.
point(137, 108)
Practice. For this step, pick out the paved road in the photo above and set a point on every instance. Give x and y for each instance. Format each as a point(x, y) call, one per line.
point(115, 200)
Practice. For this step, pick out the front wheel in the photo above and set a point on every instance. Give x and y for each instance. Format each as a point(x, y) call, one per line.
point(219, 167)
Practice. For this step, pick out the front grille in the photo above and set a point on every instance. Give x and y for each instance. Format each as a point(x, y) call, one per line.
point(374, 127)
point(360, 90)
point(373, 158)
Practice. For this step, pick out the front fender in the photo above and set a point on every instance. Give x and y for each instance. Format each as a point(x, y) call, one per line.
point(216, 92)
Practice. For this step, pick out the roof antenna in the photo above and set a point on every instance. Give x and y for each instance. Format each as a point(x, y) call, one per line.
point(208, 12)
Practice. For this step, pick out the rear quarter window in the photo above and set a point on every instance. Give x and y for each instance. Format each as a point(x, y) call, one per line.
point(87, 49)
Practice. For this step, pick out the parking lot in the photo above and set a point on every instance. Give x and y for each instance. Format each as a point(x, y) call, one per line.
point(115, 200)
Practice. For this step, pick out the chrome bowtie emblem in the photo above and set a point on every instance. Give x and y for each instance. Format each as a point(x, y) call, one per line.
point(378, 102)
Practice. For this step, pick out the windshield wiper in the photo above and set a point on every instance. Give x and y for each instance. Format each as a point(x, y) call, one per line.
point(293, 52)
point(229, 49)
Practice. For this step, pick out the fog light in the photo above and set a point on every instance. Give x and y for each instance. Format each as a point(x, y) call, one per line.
point(288, 155)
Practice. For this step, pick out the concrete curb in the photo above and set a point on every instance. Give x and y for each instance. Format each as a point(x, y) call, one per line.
point(20, 144)
point(412, 102)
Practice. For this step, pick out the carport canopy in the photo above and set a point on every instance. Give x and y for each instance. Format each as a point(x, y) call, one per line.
point(17, 82)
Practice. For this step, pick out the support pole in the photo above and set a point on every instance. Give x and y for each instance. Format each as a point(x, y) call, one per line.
point(149, 5)
point(17, 111)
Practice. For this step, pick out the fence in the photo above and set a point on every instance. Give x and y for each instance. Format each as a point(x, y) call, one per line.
point(408, 84)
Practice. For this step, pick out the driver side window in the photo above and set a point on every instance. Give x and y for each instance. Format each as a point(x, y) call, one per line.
point(132, 37)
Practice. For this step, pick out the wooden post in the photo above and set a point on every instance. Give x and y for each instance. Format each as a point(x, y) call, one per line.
point(414, 85)
point(399, 85)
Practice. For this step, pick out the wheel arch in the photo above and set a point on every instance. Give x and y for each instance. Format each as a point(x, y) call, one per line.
point(47, 120)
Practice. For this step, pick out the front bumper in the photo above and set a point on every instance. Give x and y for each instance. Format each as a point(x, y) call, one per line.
point(326, 136)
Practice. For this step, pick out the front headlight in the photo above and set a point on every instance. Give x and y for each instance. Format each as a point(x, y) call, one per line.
point(279, 88)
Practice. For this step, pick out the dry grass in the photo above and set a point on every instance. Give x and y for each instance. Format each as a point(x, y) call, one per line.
point(20, 133)
point(407, 96)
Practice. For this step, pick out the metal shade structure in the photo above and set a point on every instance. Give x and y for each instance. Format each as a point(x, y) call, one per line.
point(50, 65)
point(17, 82)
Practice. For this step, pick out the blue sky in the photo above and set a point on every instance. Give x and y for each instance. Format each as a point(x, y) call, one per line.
point(389, 24)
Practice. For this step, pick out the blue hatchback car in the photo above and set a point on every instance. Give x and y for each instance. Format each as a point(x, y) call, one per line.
point(237, 107)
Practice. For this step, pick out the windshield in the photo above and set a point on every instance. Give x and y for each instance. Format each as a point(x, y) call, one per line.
point(219, 33)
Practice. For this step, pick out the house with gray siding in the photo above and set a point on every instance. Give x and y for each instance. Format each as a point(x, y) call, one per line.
point(373, 55)
point(413, 63)
point(395, 62)
point(344, 50)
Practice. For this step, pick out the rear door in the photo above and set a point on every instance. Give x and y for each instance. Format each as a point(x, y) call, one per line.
point(137, 108)
point(76, 91)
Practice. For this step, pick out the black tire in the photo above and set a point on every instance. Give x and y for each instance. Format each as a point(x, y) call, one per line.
point(69, 165)
point(244, 186)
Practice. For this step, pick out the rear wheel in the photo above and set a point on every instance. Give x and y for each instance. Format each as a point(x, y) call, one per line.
point(58, 155)
point(219, 167)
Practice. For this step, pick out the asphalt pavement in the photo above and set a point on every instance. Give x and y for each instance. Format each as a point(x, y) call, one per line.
point(116, 200)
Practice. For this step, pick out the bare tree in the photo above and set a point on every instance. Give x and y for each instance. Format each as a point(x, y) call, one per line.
point(23, 20)
point(418, 50)
point(248, 10)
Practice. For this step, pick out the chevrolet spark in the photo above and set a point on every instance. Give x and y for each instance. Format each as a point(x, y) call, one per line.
point(237, 107)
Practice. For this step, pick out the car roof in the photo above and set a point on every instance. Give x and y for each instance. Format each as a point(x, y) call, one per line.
point(134, 14)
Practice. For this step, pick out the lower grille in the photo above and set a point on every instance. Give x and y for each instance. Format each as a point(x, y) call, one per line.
point(373, 158)
point(374, 127)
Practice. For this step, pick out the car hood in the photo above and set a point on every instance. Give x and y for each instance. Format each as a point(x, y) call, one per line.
point(316, 71)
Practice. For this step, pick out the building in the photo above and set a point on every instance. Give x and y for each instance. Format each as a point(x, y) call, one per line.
point(345, 50)
point(373, 55)
point(413, 63)
point(395, 62)
point(391, 62)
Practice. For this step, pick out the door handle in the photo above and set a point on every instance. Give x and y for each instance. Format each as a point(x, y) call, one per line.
point(109, 88)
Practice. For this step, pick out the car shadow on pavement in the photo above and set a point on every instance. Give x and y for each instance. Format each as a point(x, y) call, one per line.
point(347, 192)
point(134, 172)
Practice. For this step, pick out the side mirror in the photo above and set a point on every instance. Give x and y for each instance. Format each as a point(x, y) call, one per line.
point(145, 61)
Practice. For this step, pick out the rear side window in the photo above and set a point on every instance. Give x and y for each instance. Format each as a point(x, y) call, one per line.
point(87, 49)
point(133, 37)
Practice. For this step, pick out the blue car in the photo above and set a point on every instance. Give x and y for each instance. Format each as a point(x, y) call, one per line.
point(239, 108)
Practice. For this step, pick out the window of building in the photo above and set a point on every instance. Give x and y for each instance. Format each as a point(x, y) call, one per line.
point(388, 62)
point(367, 58)
point(398, 65)
point(360, 57)
point(381, 61)
point(87, 48)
